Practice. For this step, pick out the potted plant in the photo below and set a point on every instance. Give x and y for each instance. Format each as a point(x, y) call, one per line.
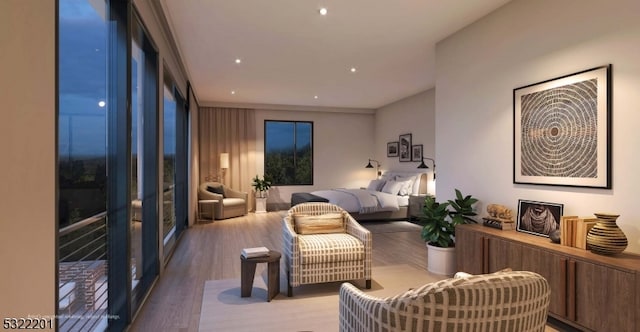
point(438, 230)
point(261, 186)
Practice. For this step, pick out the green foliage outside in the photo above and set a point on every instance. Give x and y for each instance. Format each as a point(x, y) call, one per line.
point(82, 189)
point(283, 169)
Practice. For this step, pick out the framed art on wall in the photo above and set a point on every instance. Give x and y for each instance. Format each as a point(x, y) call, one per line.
point(392, 149)
point(538, 218)
point(561, 130)
point(416, 152)
point(404, 147)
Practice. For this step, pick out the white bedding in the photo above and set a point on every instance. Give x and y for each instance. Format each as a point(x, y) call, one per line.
point(362, 200)
point(376, 198)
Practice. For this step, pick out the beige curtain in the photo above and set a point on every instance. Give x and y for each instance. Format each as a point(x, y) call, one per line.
point(230, 130)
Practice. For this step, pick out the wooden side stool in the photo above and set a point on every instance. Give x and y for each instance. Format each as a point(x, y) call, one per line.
point(248, 270)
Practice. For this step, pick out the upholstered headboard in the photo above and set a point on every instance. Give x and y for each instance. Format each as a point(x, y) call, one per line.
point(420, 185)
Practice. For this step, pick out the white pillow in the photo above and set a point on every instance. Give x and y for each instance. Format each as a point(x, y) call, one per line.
point(407, 185)
point(391, 187)
point(376, 185)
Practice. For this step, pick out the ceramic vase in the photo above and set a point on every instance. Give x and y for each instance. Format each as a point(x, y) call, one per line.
point(605, 237)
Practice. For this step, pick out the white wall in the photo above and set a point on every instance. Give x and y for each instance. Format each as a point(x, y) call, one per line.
point(415, 115)
point(27, 147)
point(525, 42)
point(343, 142)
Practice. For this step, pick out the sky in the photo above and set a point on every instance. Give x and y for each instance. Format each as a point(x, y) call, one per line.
point(280, 134)
point(83, 81)
point(82, 75)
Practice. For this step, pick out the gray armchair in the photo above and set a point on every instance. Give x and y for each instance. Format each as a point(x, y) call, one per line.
point(231, 203)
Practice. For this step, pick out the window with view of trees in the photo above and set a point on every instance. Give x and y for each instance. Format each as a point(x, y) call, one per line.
point(288, 157)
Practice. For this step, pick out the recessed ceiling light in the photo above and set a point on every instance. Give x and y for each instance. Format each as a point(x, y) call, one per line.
point(238, 60)
point(233, 92)
point(353, 69)
point(102, 103)
point(323, 11)
point(315, 97)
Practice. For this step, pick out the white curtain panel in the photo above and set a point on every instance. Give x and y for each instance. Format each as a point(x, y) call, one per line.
point(232, 131)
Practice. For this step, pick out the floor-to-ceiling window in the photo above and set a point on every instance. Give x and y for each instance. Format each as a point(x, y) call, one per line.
point(82, 165)
point(108, 164)
point(174, 163)
point(169, 161)
point(144, 264)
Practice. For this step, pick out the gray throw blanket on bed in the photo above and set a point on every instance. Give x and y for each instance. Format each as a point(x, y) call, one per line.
point(372, 201)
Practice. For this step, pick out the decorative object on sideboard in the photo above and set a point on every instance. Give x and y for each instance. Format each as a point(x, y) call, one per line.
point(404, 150)
point(561, 133)
point(378, 173)
point(574, 229)
point(555, 236)
point(416, 152)
point(423, 165)
point(500, 217)
point(392, 149)
point(605, 237)
point(538, 218)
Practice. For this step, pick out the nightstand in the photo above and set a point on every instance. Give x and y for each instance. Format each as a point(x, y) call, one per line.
point(416, 203)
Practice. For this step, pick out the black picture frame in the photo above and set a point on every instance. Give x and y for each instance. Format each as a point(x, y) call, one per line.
point(392, 149)
point(404, 147)
point(416, 152)
point(562, 131)
point(538, 218)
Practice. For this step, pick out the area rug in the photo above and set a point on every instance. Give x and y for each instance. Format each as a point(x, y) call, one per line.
point(312, 307)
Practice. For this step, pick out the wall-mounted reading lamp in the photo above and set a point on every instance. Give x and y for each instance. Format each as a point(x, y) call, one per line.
point(423, 165)
point(377, 167)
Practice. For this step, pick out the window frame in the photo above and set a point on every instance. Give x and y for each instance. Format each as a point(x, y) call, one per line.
point(311, 138)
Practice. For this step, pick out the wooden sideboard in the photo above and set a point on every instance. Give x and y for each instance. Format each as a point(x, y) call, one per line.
point(588, 291)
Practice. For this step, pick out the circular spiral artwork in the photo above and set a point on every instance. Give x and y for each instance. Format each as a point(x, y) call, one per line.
point(559, 131)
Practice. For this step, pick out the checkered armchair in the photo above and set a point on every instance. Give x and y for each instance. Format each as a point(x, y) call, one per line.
point(318, 258)
point(503, 301)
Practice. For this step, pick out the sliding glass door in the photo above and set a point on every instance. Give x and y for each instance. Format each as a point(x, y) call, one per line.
point(169, 166)
point(109, 179)
point(82, 165)
point(144, 261)
point(174, 164)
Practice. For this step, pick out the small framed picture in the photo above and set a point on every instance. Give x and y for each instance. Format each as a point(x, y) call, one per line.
point(416, 152)
point(538, 218)
point(392, 149)
point(405, 147)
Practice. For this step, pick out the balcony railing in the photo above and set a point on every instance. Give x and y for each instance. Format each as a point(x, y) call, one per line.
point(82, 299)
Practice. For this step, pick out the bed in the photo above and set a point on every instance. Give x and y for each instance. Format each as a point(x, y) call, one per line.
point(384, 199)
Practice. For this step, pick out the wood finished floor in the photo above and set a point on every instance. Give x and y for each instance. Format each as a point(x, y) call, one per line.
point(210, 251)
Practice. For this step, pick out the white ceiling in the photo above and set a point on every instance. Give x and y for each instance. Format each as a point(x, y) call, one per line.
point(290, 53)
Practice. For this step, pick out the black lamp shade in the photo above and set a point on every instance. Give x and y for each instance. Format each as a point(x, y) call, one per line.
point(422, 164)
point(369, 164)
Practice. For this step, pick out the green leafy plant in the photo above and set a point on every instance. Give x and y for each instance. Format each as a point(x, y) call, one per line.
point(439, 222)
point(261, 186)
point(462, 209)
